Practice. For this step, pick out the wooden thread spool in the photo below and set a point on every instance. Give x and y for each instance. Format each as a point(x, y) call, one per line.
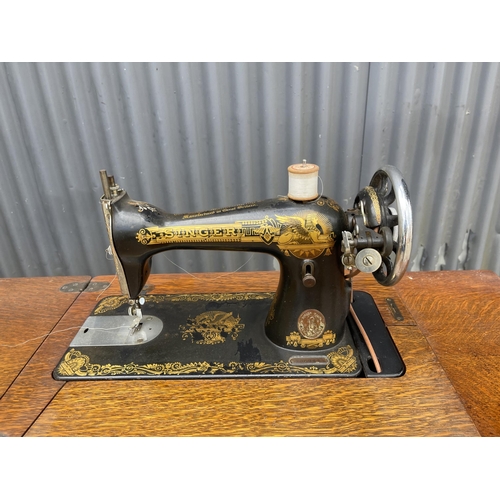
point(303, 181)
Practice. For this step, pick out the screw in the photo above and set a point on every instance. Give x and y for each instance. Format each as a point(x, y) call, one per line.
point(368, 260)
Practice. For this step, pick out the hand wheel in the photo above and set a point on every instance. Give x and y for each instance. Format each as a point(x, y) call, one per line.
point(391, 188)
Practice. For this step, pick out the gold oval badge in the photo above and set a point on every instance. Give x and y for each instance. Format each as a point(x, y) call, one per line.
point(311, 324)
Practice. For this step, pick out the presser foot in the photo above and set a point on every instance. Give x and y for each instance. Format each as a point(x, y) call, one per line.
point(217, 336)
point(137, 332)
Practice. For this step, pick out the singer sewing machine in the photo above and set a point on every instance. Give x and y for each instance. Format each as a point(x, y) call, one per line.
point(315, 324)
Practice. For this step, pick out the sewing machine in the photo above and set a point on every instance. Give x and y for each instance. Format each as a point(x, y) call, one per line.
point(315, 324)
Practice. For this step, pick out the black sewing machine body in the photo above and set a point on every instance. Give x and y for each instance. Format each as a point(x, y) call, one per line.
point(305, 237)
point(305, 328)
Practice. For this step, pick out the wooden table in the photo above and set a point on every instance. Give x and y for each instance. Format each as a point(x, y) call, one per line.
point(449, 339)
point(32, 309)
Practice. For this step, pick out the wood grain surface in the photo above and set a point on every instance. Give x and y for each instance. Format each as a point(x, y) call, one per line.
point(459, 313)
point(421, 403)
point(31, 309)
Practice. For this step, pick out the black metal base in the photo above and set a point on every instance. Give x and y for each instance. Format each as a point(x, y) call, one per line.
point(387, 353)
point(219, 335)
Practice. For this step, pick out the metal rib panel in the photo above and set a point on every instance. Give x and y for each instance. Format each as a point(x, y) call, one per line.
point(183, 136)
point(194, 136)
point(439, 124)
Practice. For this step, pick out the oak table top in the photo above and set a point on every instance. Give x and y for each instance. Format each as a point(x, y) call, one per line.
point(459, 314)
point(32, 309)
point(448, 338)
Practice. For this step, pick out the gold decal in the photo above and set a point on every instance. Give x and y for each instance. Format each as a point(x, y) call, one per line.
point(219, 211)
point(376, 204)
point(306, 234)
point(311, 323)
point(333, 204)
point(343, 359)
point(296, 340)
point(213, 327)
point(77, 364)
point(112, 303)
point(144, 207)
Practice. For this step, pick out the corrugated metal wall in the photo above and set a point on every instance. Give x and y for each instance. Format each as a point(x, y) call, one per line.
point(440, 124)
point(194, 136)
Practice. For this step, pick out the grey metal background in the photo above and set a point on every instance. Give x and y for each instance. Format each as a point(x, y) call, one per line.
point(194, 136)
